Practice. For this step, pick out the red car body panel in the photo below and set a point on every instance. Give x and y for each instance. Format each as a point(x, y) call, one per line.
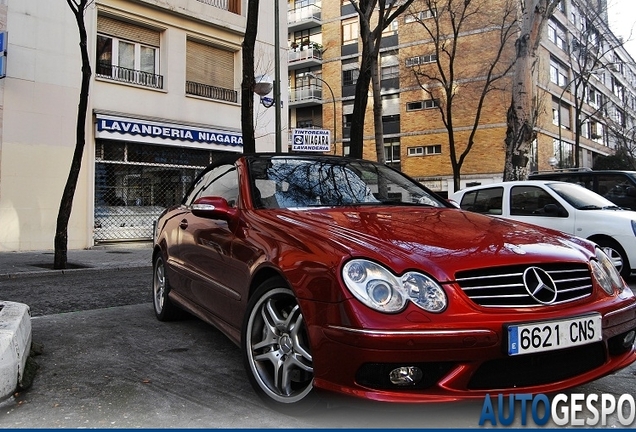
point(214, 265)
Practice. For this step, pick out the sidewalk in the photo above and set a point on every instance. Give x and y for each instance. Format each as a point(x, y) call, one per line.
point(112, 255)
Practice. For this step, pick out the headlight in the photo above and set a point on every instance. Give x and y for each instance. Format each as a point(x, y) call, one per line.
point(606, 274)
point(378, 288)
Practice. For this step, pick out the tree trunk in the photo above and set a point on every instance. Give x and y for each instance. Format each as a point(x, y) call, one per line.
point(60, 258)
point(247, 83)
point(377, 114)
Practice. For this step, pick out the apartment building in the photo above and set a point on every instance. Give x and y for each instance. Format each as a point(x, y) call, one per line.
point(324, 48)
point(164, 103)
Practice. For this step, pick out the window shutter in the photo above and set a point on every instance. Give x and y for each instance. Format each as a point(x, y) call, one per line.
point(127, 31)
point(209, 65)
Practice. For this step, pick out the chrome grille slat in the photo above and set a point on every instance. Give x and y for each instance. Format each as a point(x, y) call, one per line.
point(495, 286)
point(502, 287)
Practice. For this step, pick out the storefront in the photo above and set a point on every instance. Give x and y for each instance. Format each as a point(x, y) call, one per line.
point(144, 166)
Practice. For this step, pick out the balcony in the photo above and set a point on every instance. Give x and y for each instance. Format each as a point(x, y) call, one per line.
point(304, 57)
point(305, 96)
point(304, 17)
point(130, 76)
point(211, 92)
point(233, 6)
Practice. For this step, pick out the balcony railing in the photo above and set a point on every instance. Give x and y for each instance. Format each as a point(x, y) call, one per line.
point(306, 52)
point(305, 94)
point(130, 76)
point(304, 13)
point(211, 92)
point(233, 6)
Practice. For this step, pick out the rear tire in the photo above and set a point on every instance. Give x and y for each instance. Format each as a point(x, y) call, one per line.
point(165, 310)
point(276, 350)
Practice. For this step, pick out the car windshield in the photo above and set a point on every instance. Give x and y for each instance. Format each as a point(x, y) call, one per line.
point(580, 197)
point(291, 182)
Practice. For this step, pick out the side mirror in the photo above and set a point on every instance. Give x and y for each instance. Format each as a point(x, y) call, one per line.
point(213, 208)
point(631, 191)
point(551, 209)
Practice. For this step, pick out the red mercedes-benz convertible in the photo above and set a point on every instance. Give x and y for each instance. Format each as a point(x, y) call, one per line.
point(345, 275)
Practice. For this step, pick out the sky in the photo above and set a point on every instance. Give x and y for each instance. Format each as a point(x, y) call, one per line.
point(622, 21)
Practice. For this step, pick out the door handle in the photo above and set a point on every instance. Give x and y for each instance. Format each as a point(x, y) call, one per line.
point(183, 224)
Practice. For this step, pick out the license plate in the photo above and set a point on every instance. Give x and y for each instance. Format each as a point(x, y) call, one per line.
point(552, 335)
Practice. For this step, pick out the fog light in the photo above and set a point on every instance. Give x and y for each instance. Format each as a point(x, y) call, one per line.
point(628, 339)
point(406, 375)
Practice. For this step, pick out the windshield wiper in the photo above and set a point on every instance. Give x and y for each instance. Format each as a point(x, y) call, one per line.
point(591, 207)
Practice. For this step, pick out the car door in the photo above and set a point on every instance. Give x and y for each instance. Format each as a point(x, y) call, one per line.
point(206, 248)
point(535, 205)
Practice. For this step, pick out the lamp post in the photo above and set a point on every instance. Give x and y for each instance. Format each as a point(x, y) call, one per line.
point(277, 100)
point(333, 98)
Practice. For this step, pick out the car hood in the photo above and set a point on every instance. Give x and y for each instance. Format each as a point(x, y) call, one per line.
point(438, 241)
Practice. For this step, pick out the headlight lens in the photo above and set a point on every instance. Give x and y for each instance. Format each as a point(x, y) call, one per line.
point(606, 274)
point(378, 288)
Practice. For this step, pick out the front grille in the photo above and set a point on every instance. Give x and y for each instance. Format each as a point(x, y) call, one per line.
point(537, 369)
point(503, 286)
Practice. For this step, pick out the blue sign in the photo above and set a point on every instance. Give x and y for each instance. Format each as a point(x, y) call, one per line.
point(168, 131)
point(4, 40)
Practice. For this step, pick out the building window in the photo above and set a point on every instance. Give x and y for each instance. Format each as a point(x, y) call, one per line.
point(557, 34)
point(350, 77)
point(418, 16)
point(425, 150)
point(594, 97)
point(350, 31)
point(560, 117)
point(128, 53)
point(423, 104)
point(415, 151)
point(596, 131)
point(618, 89)
point(391, 30)
point(558, 73)
point(389, 65)
point(210, 72)
point(418, 60)
point(392, 151)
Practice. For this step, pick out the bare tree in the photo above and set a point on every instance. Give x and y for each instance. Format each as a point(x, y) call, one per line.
point(247, 83)
point(371, 38)
point(590, 49)
point(455, 77)
point(60, 258)
point(523, 111)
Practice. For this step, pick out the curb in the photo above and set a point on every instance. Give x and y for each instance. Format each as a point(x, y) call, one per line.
point(44, 272)
point(15, 344)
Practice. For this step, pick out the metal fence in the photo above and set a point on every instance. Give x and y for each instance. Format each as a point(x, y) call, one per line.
point(134, 183)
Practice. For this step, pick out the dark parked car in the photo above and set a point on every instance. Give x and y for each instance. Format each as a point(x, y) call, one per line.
point(617, 186)
point(345, 275)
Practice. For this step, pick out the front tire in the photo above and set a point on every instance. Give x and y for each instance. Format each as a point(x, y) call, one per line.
point(165, 310)
point(276, 349)
point(617, 255)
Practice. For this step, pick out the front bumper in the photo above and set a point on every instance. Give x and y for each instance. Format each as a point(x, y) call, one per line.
point(467, 360)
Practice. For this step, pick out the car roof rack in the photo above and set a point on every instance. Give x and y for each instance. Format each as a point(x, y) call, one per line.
point(558, 170)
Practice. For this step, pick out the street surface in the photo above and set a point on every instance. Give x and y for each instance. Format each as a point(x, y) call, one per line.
point(107, 362)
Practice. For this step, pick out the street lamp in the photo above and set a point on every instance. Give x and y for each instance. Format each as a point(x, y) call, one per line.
point(333, 98)
point(277, 101)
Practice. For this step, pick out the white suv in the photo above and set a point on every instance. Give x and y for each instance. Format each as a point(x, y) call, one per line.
point(562, 206)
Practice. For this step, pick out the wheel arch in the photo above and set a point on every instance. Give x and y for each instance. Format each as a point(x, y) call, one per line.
point(263, 274)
